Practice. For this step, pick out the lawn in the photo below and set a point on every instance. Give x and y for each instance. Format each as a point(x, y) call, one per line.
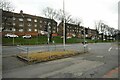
point(43, 40)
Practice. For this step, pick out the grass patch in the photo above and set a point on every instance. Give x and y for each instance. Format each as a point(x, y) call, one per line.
point(43, 40)
point(46, 56)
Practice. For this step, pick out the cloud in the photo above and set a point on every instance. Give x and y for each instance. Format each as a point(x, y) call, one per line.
point(88, 10)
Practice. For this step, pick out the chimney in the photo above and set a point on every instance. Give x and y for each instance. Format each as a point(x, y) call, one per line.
point(21, 11)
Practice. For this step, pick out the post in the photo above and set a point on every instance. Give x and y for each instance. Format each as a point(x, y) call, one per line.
point(13, 29)
point(48, 36)
point(84, 40)
point(64, 25)
point(23, 22)
point(27, 53)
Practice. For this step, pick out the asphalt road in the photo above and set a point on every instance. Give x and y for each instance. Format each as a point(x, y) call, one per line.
point(102, 57)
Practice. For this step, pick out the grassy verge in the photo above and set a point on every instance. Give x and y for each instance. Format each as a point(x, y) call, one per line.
point(43, 40)
point(46, 56)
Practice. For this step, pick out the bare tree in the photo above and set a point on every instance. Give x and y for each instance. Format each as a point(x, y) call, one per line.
point(51, 14)
point(6, 5)
point(60, 16)
point(100, 27)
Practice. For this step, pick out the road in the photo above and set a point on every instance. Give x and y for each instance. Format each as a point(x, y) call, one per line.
point(102, 57)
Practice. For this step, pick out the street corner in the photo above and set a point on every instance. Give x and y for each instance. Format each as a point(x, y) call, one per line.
point(112, 74)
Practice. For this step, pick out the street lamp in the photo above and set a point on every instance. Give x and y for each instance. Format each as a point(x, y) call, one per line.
point(64, 24)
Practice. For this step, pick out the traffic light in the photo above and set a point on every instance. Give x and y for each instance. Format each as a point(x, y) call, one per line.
point(46, 29)
point(82, 32)
point(86, 31)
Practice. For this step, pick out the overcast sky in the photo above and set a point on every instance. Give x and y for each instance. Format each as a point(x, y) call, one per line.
point(88, 10)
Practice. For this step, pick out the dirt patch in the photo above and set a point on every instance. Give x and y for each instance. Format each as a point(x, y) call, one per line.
point(35, 57)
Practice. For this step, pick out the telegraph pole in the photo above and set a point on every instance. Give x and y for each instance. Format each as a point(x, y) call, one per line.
point(64, 24)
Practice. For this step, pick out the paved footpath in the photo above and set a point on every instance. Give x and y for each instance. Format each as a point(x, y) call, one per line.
point(113, 73)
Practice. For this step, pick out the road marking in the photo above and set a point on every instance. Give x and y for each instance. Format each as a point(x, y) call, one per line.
point(116, 48)
point(89, 48)
point(100, 56)
point(109, 48)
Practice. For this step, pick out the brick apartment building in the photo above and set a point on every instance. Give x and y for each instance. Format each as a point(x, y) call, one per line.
point(76, 30)
point(22, 23)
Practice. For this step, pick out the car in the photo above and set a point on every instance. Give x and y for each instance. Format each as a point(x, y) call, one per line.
point(69, 37)
point(27, 36)
point(11, 35)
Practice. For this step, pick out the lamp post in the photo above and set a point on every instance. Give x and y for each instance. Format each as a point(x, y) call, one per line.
point(84, 40)
point(64, 24)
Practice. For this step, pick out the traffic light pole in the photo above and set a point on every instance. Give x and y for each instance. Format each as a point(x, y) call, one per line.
point(48, 34)
point(13, 30)
point(84, 40)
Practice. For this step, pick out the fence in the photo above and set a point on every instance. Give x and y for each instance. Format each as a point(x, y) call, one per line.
point(72, 47)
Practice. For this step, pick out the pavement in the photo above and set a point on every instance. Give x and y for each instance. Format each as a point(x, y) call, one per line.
point(102, 58)
point(113, 73)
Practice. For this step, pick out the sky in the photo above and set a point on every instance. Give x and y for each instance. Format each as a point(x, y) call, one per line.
point(89, 11)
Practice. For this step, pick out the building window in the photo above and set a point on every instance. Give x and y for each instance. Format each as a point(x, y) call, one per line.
point(29, 29)
point(20, 30)
point(35, 30)
point(29, 24)
point(14, 18)
point(20, 19)
point(40, 26)
point(35, 20)
point(29, 19)
point(21, 24)
point(53, 31)
point(40, 21)
point(14, 24)
point(35, 25)
point(45, 22)
point(13, 29)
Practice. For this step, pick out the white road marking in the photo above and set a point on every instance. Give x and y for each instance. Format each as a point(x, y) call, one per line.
point(89, 48)
point(100, 56)
point(109, 48)
point(116, 48)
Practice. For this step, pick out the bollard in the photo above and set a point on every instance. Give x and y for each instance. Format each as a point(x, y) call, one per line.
point(27, 53)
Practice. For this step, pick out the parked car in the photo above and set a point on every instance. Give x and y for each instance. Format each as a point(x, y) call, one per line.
point(69, 37)
point(11, 35)
point(27, 36)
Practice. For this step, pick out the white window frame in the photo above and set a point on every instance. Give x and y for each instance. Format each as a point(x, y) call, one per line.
point(29, 19)
point(35, 25)
point(29, 30)
point(21, 24)
point(20, 19)
point(35, 20)
point(35, 30)
point(20, 30)
point(14, 24)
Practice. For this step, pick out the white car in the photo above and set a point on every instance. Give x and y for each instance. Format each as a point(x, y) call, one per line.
point(27, 36)
point(11, 35)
